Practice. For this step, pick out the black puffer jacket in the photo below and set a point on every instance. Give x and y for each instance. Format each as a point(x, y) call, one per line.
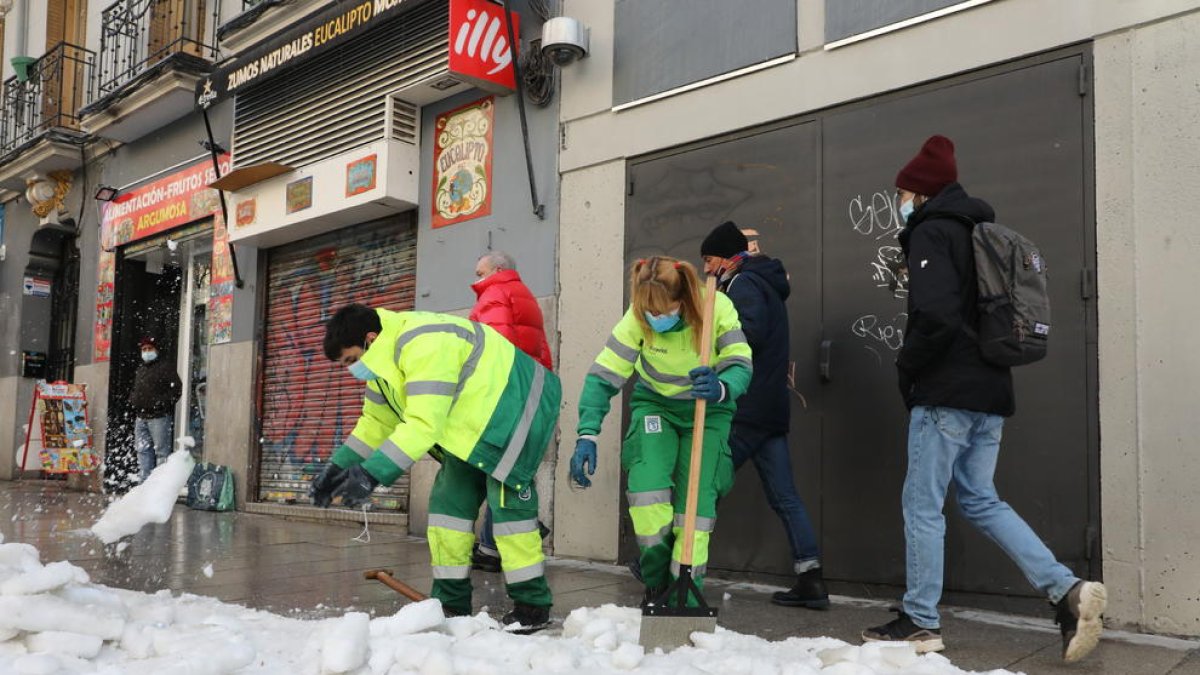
point(940, 363)
point(156, 389)
point(758, 292)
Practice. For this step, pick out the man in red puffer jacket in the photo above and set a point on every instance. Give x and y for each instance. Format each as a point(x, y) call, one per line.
point(505, 303)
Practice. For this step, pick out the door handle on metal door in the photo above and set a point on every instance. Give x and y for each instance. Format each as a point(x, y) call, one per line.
point(825, 360)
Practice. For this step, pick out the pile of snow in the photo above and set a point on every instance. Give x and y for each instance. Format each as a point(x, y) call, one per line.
point(52, 620)
point(149, 502)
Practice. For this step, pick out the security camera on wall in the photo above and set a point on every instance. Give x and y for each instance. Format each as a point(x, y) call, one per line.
point(564, 40)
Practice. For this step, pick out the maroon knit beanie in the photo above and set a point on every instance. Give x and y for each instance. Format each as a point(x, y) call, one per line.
point(931, 170)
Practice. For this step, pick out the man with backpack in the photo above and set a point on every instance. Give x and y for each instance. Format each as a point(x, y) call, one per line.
point(959, 390)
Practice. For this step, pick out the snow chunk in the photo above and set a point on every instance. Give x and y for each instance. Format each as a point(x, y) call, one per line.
point(415, 618)
point(59, 642)
point(49, 578)
point(345, 645)
point(22, 557)
point(208, 570)
point(49, 612)
point(37, 664)
point(149, 502)
point(628, 656)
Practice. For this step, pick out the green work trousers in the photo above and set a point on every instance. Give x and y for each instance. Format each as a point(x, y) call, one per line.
point(458, 491)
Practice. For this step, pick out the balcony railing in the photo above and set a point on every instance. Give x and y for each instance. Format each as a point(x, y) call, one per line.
point(137, 34)
point(49, 99)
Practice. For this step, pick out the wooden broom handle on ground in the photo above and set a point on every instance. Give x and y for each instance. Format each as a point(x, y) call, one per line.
point(693, 489)
point(385, 576)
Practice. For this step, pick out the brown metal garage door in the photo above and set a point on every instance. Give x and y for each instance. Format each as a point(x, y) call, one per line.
point(309, 404)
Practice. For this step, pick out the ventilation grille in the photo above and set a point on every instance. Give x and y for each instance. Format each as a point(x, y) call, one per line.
point(342, 99)
point(405, 120)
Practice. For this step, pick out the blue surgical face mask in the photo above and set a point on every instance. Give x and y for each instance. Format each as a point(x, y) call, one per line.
point(906, 210)
point(360, 371)
point(662, 323)
point(149, 356)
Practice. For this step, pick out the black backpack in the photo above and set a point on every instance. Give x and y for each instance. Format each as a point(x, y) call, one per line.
point(1014, 304)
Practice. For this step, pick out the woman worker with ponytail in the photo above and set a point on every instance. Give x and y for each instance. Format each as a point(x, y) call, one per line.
point(658, 342)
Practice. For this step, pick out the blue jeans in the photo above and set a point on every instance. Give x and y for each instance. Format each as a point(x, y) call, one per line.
point(487, 538)
point(947, 444)
point(774, 463)
point(152, 439)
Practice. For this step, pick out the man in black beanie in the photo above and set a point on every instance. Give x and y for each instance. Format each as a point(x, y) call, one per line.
point(758, 286)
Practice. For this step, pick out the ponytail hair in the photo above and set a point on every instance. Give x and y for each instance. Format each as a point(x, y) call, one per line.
point(657, 283)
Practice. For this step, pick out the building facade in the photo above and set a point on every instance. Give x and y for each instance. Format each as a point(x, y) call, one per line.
point(366, 152)
point(1075, 120)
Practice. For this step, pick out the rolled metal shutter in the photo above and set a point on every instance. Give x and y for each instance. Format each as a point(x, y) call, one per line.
point(310, 404)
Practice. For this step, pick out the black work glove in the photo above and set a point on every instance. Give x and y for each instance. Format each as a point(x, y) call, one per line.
point(322, 487)
point(356, 487)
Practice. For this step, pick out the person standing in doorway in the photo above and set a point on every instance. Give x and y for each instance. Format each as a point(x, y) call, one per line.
point(156, 389)
point(505, 303)
point(958, 402)
point(758, 286)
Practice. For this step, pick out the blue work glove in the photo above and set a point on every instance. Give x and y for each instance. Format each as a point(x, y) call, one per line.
point(322, 487)
point(585, 456)
point(356, 487)
point(706, 385)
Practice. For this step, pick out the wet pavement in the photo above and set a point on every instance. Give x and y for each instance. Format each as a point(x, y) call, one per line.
point(307, 569)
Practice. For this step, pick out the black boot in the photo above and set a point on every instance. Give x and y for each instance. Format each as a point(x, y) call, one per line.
point(484, 562)
point(809, 591)
point(530, 617)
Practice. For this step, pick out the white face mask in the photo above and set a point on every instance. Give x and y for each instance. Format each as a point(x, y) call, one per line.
point(149, 356)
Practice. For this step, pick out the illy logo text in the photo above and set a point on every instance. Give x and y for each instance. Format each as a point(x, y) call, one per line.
point(480, 35)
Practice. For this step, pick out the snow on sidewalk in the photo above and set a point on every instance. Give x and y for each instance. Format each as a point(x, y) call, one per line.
point(53, 620)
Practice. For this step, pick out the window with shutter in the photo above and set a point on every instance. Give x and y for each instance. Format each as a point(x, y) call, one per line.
point(61, 83)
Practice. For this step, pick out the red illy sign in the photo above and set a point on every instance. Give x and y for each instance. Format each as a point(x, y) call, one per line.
point(479, 47)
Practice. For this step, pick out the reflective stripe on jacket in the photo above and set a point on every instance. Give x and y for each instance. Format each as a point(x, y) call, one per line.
point(662, 364)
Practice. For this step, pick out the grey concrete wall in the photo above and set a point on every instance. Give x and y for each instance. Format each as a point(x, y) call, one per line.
point(228, 427)
point(819, 78)
point(1147, 167)
point(20, 226)
point(24, 324)
point(592, 256)
point(446, 256)
point(10, 426)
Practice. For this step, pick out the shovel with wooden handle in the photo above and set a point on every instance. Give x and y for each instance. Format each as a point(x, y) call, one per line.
point(667, 624)
point(385, 577)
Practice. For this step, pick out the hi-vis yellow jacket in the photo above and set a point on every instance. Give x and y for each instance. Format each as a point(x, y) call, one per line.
point(662, 364)
point(456, 384)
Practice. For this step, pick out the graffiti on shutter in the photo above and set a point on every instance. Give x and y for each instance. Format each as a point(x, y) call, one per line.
point(310, 404)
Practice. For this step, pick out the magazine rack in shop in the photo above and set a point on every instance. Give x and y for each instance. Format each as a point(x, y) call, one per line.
point(63, 438)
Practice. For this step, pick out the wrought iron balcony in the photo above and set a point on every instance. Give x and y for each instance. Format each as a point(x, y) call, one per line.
point(48, 100)
point(140, 34)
